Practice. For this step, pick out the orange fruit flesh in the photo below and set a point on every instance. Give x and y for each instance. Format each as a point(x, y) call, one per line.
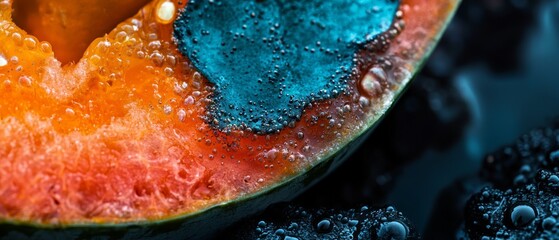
point(119, 136)
point(116, 137)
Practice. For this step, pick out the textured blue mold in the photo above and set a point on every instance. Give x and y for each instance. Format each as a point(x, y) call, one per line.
point(270, 58)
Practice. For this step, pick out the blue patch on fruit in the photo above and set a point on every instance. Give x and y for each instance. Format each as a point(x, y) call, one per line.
point(269, 59)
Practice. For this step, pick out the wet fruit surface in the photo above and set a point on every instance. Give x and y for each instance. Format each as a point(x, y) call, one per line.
point(122, 135)
point(280, 56)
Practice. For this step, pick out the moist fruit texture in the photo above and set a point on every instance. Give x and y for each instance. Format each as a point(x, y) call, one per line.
point(121, 132)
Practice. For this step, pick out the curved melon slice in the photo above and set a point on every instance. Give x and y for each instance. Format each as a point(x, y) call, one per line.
point(118, 144)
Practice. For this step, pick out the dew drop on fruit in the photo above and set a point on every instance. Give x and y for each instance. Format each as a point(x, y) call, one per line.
point(157, 58)
point(14, 60)
point(70, 111)
point(189, 100)
point(46, 47)
point(30, 43)
point(364, 102)
point(17, 38)
point(371, 84)
point(522, 215)
point(167, 109)
point(165, 12)
point(25, 81)
point(392, 230)
point(181, 114)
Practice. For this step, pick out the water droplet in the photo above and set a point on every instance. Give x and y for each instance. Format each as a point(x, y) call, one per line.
point(280, 232)
point(17, 38)
point(157, 58)
point(353, 223)
point(189, 100)
point(549, 223)
point(181, 114)
point(165, 12)
point(3, 61)
point(121, 36)
point(324, 226)
point(364, 102)
point(25, 81)
point(70, 112)
point(154, 45)
point(14, 60)
point(525, 169)
point(246, 178)
point(167, 109)
point(46, 47)
point(522, 215)
point(393, 230)
point(30, 43)
point(371, 83)
point(103, 46)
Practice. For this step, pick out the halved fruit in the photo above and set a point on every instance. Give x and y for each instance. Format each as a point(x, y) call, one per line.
point(127, 142)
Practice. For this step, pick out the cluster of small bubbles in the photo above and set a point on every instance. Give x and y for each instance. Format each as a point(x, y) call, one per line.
point(381, 43)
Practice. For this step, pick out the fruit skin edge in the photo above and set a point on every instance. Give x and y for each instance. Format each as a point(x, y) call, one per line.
point(195, 225)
